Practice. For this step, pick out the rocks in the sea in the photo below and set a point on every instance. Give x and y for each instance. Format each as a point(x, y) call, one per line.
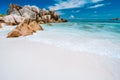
point(116, 19)
point(63, 20)
point(56, 16)
point(16, 14)
point(27, 27)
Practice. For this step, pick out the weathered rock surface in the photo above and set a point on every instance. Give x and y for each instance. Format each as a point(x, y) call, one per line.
point(2, 19)
point(14, 9)
point(34, 26)
point(27, 27)
point(16, 14)
point(13, 19)
point(14, 33)
point(28, 19)
point(28, 13)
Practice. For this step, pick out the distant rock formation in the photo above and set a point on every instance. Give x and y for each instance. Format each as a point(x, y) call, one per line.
point(63, 20)
point(27, 27)
point(116, 19)
point(16, 14)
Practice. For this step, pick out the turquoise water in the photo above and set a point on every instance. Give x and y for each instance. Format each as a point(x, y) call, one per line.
point(90, 36)
point(98, 37)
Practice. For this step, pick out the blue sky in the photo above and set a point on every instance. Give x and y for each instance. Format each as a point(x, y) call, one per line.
point(73, 8)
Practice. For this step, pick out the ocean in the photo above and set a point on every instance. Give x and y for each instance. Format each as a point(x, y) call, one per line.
point(101, 37)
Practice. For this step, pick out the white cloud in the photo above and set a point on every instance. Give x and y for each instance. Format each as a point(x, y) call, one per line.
point(97, 5)
point(96, 1)
point(65, 4)
point(68, 4)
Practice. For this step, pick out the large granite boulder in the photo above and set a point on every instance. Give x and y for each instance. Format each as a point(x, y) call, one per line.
point(13, 19)
point(27, 12)
point(44, 12)
point(56, 17)
point(16, 14)
point(35, 9)
point(27, 27)
point(14, 33)
point(34, 26)
point(9, 20)
point(52, 12)
point(14, 9)
point(46, 18)
point(24, 29)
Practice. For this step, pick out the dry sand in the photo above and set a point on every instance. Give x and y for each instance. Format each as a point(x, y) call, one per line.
point(26, 60)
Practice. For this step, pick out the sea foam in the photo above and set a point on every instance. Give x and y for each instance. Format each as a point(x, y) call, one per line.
point(91, 37)
point(97, 38)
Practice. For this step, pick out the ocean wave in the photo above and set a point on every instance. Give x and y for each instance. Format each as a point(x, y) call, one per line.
point(98, 38)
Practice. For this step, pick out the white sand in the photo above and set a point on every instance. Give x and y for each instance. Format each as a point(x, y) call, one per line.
point(25, 60)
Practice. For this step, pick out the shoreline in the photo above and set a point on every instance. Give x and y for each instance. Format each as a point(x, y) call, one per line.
point(27, 60)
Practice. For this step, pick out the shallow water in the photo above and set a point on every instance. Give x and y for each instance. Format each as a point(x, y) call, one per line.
point(91, 37)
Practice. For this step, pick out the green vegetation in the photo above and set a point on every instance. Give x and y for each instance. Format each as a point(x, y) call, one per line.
point(2, 15)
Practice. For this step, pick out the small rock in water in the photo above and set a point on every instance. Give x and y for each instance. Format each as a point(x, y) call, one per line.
point(63, 20)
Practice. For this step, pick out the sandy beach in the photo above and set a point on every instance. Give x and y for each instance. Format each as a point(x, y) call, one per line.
point(27, 60)
point(60, 40)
